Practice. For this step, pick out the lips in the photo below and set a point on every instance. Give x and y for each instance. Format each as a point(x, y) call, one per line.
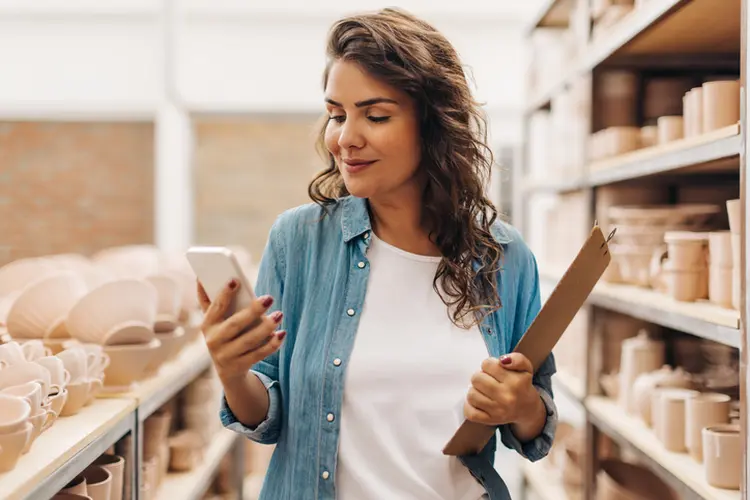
point(354, 166)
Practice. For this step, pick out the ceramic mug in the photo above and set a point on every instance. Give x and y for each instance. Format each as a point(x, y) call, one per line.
point(28, 371)
point(75, 360)
point(59, 376)
point(30, 391)
point(34, 349)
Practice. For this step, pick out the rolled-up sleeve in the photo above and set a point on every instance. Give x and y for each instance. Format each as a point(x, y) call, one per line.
point(528, 305)
point(270, 282)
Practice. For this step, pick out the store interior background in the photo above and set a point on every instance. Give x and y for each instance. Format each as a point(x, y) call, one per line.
point(176, 122)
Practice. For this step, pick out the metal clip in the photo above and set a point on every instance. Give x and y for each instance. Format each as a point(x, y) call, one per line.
point(609, 237)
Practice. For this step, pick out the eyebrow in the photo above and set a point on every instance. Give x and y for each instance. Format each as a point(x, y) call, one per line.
point(362, 104)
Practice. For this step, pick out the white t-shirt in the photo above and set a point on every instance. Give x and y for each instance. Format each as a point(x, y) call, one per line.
point(406, 381)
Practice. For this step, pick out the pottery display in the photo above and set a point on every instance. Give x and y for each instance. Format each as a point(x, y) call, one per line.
point(721, 104)
point(646, 383)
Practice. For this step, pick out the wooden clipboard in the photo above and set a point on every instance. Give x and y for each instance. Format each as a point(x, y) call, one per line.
point(536, 344)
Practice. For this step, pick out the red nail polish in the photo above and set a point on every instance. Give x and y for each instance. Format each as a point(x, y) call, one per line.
point(505, 360)
point(233, 284)
point(281, 334)
point(267, 301)
point(276, 317)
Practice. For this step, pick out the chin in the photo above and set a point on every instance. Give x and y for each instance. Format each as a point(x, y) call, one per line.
point(359, 189)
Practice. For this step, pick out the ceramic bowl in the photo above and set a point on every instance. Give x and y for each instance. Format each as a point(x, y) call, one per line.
point(116, 313)
point(127, 363)
point(169, 302)
point(18, 274)
point(40, 310)
point(129, 261)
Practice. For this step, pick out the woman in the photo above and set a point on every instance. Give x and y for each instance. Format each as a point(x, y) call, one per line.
point(398, 292)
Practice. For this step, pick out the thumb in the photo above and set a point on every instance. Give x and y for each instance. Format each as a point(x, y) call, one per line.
point(516, 362)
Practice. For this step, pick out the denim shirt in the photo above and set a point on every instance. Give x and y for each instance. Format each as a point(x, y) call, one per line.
point(315, 266)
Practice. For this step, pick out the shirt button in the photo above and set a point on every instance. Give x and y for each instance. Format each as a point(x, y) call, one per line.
point(361, 265)
point(350, 312)
point(330, 417)
point(325, 474)
point(367, 235)
point(337, 362)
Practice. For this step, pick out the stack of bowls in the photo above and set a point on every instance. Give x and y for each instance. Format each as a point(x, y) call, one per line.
point(15, 430)
point(119, 316)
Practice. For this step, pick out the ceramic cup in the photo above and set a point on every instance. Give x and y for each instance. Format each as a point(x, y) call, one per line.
point(11, 353)
point(76, 361)
point(98, 482)
point(14, 413)
point(34, 350)
point(77, 486)
point(12, 445)
point(722, 455)
point(59, 376)
point(116, 466)
point(30, 391)
point(703, 410)
point(28, 371)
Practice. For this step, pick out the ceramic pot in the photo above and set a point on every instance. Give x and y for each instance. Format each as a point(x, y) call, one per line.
point(115, 465)
point(721, 104)
point(703, 410)
point(647, 383)
point(720, 285)
point(98, 482)
point(640, 354)
point(722, 454)
point(669, 128)
point(720, 249)
point(687, 250)
point(671, 415)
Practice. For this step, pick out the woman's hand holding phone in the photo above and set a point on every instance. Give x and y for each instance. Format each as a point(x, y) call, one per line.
point(244, 338)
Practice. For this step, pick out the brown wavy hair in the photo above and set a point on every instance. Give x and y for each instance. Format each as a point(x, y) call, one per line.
point(409, 54)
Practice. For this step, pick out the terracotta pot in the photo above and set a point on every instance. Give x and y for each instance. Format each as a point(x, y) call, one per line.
point(720, 285)
point(720, 249)
point(722, 453)
point(703, 410)
point(619, 480)
point(721, 104)
point(640, 354)
point(647, 383)
point(671, 424)
point(670, 128)
point(734, 212)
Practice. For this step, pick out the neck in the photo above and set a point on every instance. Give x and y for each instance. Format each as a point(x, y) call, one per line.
point(397, 220)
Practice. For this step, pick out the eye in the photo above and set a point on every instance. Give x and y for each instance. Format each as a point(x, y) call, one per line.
point(378, 119)
point(337, 118)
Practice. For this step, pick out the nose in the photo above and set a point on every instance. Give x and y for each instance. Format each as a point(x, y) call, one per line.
point(350, 135)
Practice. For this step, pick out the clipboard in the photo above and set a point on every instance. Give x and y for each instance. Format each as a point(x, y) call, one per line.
point(537, 343)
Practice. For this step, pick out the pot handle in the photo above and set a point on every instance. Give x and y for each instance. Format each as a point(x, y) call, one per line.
point(656, 267)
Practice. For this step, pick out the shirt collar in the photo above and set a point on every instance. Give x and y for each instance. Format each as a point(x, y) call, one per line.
point(355, 221)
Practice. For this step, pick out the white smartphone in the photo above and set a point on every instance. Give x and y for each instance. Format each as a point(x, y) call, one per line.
point(215, 267)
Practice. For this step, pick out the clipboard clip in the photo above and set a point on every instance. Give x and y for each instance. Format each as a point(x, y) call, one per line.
point(609, 236)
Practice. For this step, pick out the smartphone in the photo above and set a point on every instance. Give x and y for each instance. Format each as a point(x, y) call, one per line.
point(215, 267)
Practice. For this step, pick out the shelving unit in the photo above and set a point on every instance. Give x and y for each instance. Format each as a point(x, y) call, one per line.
point(73, 443)
point(192, 485)
point(545, 482)
point(684, 474)
point(67, 448)
point(656, 39)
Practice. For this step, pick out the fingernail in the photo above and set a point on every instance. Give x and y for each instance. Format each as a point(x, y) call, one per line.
point(281, 334)
point(267, 301)
point(505, 360)
point(276, 317)
point(233, 284)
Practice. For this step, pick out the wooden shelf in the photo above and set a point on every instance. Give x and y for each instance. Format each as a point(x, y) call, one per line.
point(152, 393)
point(663, 27)
point(542, 186)
point(701, 319)
point(678, 469)
point(193, 484)
point(677, 156)
point(545, 481)
point(570, 384)
point(551, 14)
point(67, 448)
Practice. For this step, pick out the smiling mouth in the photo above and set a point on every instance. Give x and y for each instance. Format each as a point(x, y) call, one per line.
point(353, 166)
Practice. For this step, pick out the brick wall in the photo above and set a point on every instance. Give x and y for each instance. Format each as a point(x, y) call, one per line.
point(247, 171)
point(74, 187)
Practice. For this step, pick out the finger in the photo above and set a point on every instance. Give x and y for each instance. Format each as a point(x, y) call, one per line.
point(480, 401)
point(473, 414)
point(245, 319)
point(270, 347)
point(516, 362)
point(485, 384)
point(219, 307)
point(492, 367)
point(203, 299)
point(257, 336)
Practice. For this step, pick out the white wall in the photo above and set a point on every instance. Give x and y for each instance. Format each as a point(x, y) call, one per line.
point(166, 59)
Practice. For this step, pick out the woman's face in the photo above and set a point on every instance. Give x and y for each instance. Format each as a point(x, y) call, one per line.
point(372, 132)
